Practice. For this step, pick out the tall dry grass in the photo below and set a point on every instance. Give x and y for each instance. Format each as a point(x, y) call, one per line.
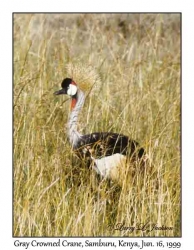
point(137, 57)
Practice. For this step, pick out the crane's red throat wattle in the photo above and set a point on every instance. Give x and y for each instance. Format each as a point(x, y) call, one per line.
point(73, 102)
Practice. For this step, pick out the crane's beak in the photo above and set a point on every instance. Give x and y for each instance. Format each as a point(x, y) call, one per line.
point(60, 92)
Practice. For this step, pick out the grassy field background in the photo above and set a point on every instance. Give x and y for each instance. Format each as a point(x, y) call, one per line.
point(137, 59)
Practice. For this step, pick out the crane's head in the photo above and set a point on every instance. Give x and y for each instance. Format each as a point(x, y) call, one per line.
point(69, 87)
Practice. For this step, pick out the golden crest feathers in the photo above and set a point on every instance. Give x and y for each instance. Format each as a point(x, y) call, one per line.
point(86, 77)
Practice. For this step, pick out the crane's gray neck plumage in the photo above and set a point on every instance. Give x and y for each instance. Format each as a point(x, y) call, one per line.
point(73, 135)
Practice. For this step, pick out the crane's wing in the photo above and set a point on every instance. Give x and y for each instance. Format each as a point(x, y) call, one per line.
point(99, 145)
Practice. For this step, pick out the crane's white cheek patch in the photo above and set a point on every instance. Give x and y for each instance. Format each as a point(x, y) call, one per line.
point(72, 90)
point(110, 166)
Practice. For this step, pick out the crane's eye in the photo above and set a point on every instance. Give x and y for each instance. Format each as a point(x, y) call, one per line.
point(72, 90)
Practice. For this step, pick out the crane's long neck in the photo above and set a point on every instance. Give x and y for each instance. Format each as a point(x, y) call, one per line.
point(77, 104)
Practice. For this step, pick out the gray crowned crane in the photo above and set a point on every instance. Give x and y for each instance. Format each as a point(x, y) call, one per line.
point(108, 152)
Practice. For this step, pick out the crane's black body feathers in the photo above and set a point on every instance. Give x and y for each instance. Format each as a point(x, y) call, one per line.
point(105, 144)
